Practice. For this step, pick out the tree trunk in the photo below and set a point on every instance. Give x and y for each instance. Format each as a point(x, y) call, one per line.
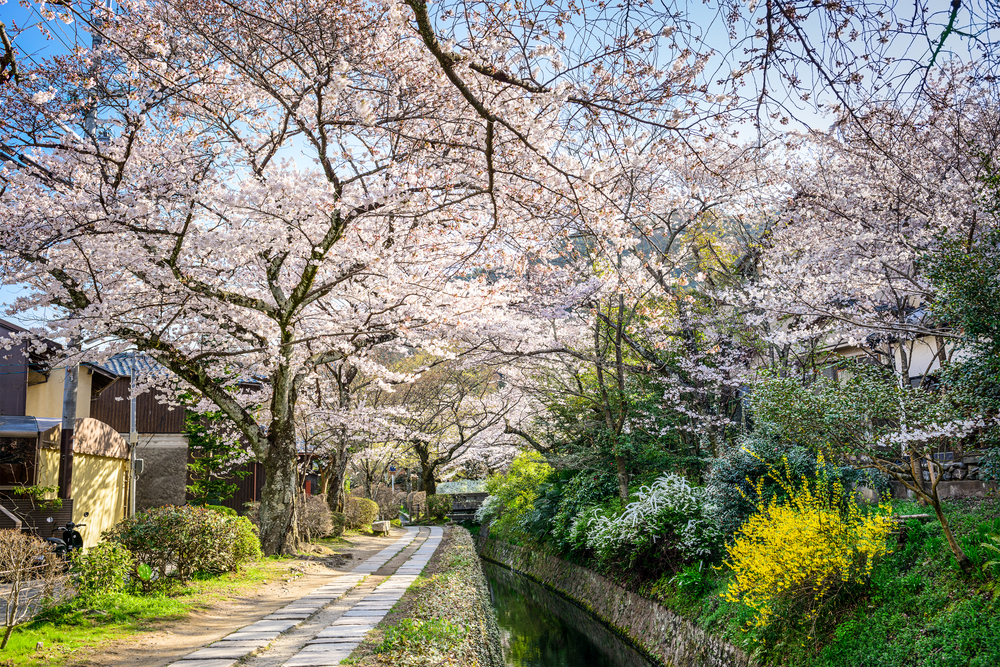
point(337, 470)
point(335, 496)
point(278, 530)
point(963, 560)
point(427, 479)
point(622, 467)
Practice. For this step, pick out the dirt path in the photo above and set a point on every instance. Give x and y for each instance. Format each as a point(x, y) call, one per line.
point(169, 641)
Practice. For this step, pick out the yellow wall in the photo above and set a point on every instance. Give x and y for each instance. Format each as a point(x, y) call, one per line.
point(45, 400)
point(48, 468)
point(98, 487)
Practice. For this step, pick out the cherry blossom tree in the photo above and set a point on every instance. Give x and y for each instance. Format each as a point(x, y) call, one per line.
point(336, 421)
point(844, 260)
point(278, 186)
point(453, 415)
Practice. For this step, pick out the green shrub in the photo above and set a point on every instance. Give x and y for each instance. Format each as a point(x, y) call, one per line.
point(439, 505)
point(337, 521)
point(245, 546)
point(187, 539)
point(741, 483)
point(222, 509)
point(102, 570)
point(584, 489)
point(360, 512)
point(513, 495)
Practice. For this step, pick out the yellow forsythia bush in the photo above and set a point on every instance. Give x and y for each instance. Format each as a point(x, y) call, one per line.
point(800, 551)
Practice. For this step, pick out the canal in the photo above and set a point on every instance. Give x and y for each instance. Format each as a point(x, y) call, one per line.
point(542, 629)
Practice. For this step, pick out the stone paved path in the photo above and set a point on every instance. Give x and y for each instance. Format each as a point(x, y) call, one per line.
point(355, 610)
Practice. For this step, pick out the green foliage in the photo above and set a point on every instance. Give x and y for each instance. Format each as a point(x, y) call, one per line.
point(846, 416)
point(438, 634)
point(37, 495)
point(218, 449)
point(582, 490)
point(742, 482)
point(245, 548)
point(991, 548)
point(144, 572)
point(513, 494)
point(228, 511)
point(693, 580)
point(360, 512)
point(438, 505)
point(187, 539)
point(965, 274)
point(103, 569)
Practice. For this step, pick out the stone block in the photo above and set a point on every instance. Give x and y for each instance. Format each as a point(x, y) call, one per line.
point(210, 662)
point(234, 652)
point(380, 527)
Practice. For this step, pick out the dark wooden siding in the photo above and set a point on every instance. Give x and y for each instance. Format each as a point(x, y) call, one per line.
point(151, 416)
point(13, 377)
point(35, 519)
point(248, 488)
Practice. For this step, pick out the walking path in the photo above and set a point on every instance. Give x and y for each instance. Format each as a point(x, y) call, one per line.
point(322, 628)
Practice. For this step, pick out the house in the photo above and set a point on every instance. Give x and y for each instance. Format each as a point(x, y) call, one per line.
point(163, 445)
point(31, 402)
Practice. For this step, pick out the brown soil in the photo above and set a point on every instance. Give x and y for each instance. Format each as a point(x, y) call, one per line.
point(165, 642)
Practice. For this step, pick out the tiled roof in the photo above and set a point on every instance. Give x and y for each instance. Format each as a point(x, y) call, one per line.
point(122, 363)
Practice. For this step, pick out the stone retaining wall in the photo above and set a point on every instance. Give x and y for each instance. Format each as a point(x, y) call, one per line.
point(671, 639)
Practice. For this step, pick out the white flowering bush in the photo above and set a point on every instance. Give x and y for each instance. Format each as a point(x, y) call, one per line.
point(488, 510)
point(669, 520)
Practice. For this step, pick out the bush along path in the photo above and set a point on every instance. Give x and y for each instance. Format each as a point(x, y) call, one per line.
point(271, 631)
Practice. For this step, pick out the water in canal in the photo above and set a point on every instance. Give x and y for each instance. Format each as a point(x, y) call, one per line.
point(542, 629)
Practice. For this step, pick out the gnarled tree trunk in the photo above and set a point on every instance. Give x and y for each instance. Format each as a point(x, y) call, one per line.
point(278, 531)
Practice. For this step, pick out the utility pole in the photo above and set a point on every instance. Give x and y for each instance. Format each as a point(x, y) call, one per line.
point(72, 382)
point(70, 387)
point(133, 438)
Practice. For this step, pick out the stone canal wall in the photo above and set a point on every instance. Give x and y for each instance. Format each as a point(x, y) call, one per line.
point(671, 639)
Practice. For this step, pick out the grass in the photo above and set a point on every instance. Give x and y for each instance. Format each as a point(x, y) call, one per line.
point(430, 521)
point(435, 634)
point(79, 624)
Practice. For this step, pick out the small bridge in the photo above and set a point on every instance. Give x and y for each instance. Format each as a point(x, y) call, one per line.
point(467, 496)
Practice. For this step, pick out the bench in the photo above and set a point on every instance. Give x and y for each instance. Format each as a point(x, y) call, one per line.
point(380, 527)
